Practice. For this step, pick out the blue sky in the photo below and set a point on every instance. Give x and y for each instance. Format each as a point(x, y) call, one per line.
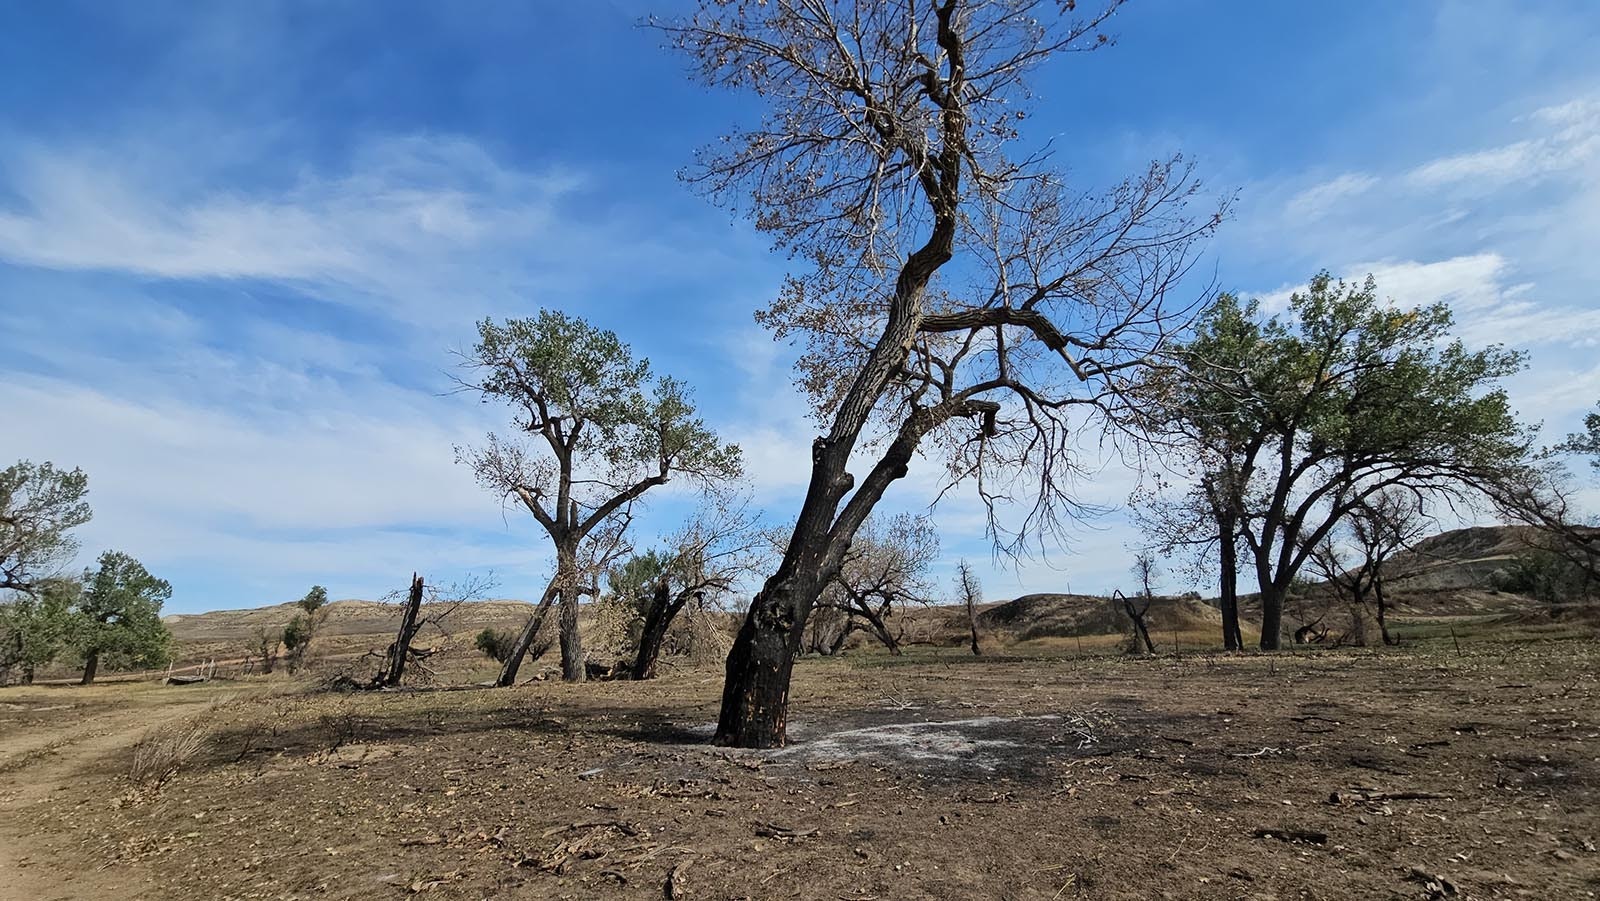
point(239, 241)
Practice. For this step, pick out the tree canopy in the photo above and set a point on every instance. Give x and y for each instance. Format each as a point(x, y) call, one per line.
point(39, 506)
point(1288, 423)
point(120, 609)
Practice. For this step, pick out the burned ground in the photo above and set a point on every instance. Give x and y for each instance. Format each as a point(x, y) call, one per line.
point(1336, 775)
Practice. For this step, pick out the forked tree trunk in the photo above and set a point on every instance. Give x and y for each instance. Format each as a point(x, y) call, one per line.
point(664, 607)
point(878, 626)
point(91, 665)
point(1136, 614)
point(395, 661)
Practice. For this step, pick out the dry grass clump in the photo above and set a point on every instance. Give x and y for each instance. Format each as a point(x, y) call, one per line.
point(165, 749)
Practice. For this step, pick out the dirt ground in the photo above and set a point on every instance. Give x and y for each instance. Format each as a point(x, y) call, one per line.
point(1332, 775)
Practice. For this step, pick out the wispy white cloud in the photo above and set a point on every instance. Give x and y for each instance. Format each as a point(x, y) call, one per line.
point(1570, 141)
point(1316, 201)
point(403, 211)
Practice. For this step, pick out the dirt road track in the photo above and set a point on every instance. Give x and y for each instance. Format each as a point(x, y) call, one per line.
point(39, 768)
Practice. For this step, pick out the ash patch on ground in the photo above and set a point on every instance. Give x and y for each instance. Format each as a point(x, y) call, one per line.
point(969, 747)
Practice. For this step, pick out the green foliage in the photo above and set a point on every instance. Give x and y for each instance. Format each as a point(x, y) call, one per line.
point(1586, 442)
point(314, 600)
point(633, 580)
point(120, 613)
point(39, 505)
point(298, 633)
point(36, 628)
point(496, 643)
point(583, 385)
point(1293, 421)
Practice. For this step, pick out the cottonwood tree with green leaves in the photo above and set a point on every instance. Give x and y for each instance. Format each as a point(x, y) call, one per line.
point(119, 614)
point(1211, 446)
point(597, 432)
point(37, 626)
point(1296, 421)
point(39, 506)
point(953, 290)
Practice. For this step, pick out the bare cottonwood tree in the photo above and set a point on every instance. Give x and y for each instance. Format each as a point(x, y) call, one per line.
point(1358, 560)
point(601, 433)
point(970, 592)
point(1136, 607)
point(953, 292)
point(886, 569)
point(721, 545)
point(1543, 494)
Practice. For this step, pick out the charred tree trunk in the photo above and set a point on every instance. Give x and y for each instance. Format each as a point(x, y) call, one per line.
point(664, 607)
point(972, 623)
point(91, 665)
point(1381, 607)
point(755, 694)
point(1272, 597)
point(395, 661)
point(876, 621)
point(530, 633)
point(1136, 614)
point(840, 637)
point(1232, 635)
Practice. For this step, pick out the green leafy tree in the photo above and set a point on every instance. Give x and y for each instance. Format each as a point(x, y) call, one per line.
point(119, 615)
point(35, 628)
point(495, 643)
point(599, 431)
point(1311, 414)
point(1216, 446)
point(39, 505)
point(298, 633)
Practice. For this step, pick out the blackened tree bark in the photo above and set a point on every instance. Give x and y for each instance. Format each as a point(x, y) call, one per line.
point(91, 666)
point(664, 607)
point(1228, 582)
point(720, 544)
point(394, 660)
point(880, 159)
point(525, 639)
